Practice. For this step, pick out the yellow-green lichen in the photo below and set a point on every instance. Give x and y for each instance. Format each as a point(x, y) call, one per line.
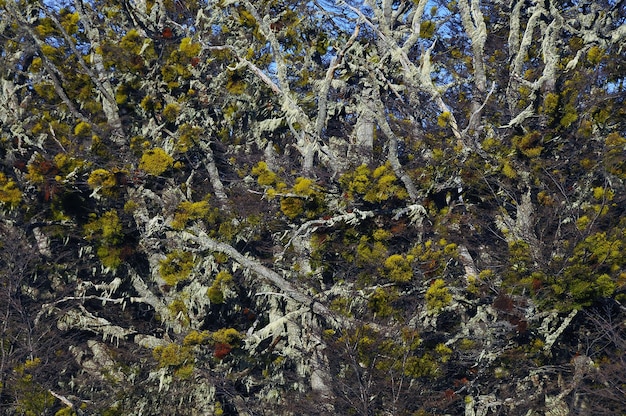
point(437, 296)
point(176, 267)
point(398, 268)
point(10, 195)
point(155, 161)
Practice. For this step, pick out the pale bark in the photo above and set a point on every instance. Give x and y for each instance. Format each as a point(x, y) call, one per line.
point(100, 77)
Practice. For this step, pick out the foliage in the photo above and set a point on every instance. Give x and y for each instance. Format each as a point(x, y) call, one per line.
point(388, 207)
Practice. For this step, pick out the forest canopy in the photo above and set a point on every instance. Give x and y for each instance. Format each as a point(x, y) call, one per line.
point(390, 207)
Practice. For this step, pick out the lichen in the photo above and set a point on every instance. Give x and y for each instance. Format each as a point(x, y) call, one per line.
point(10, 195)
point(176, 267)
point(437, 296)
point(155, 161)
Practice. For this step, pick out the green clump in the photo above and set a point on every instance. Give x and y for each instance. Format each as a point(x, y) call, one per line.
point(188, 137)
point(437, 296)
point(189, 211)
point(188, 48)
point(378, 185)
point(109, 256)
point(196, 338)
point(380, 301)
point(216, 291)
point(176, 267)
point(303, 186)
point(398, 268)
point(228, 336)
point(179, 311)
point(106, 231)
point(265, 177)
point(82, 129)
point(104, 180)
point(155, 161)
point(595, 55)
point(32, 398)
point(171, 111)
point(177, 357)
point(292, 207)
point(427, 29)
point(9, 192)
point(370, 252)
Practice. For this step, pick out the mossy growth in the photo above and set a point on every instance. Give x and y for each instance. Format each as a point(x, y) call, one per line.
point(265, 177)
point(378, 185)
point(105, 181)
point(380, 302)
point(398, 268)
point(188, 137)
point(196, 338)
point(155, 161)
point(228, 336)
point(107, 232)
point(437, 296)
point(107, 229)
point(32, 399)
point(179, 358)
point(188, 211)
point(188, 48)
point(82, 129)
point(179, 311)
point(10, 195)
point(291, 207)
point(170, 112)
point(216, 291)
point(176, 267)
point(427, 29)
point(529, 144)
point(370, 252)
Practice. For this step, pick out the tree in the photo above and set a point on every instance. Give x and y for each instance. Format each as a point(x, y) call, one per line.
point(356, 207)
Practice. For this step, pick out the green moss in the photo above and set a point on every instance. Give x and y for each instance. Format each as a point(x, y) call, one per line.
point(595, 55)
point(177, 357)
point(106, 229)
point(437, 296)
point(303, 186)
point(370, 253)
point(196, 338)
point(188, 137)
point(155, 161)
point(265, 176)
point(171, 111)
point(109, 256)
point(82, 129)
point(188, 48)
point(216, 292)
point(104, 180)
point(291, 207)
point(229, 336)
point(179, 311)
point(380, 301)
point(444, 119)
point(31, 398)
point(150, 104)
point(378, 185)
point(176, 267)
point(508, 170)
point(189, 211)
point(10, 195)
point(427, 29)
point(398, 268)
